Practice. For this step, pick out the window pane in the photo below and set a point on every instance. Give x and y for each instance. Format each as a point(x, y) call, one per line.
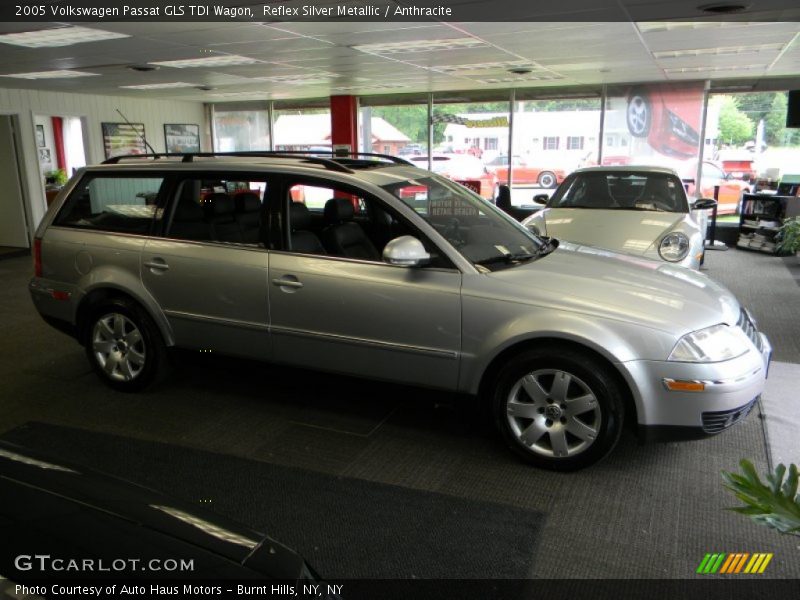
point(122, 204)
point(303, 129)
point(398, 130)
point(241, 130)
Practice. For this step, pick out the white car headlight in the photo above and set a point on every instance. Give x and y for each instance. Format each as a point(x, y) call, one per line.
point(674, 247)
point(713, 344)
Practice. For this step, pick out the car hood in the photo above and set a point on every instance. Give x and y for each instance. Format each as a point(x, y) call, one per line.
point(632, 231)
point(607, 284)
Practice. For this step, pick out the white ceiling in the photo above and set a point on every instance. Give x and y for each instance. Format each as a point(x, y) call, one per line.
point(317, 59)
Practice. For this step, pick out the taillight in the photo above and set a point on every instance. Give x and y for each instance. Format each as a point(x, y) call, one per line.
point(37, 257)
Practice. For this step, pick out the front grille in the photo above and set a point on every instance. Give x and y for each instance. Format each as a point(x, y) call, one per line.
point(746, 324)
point(714, 422)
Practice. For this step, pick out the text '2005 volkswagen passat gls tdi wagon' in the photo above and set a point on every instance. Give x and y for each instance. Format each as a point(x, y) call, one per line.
point(369, 266)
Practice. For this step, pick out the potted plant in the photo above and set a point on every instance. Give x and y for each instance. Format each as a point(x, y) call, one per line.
point(57, 177)
point(788, 238)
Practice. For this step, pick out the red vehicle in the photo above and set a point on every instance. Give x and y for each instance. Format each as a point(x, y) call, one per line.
point(464, 169)
point(668, 118)
point(730, 188)
point(739, 166)
point(523, 173)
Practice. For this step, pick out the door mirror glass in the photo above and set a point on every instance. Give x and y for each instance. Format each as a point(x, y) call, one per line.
point(405, 251)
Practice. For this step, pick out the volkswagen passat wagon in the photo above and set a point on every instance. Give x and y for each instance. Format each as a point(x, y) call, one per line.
point(380, 269)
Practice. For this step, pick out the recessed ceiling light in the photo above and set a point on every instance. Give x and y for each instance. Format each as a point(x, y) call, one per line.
point(254, 94)
point(158, 86)
point(421, 46)
point(225, 60)
point(60, 36)
point(299, 79)
point(713, 69)
point(723, 8)
point(542, 77)
point(485, 66)
point(654, 26)
point(369, 86)
point(143, 68)
point(51, 75)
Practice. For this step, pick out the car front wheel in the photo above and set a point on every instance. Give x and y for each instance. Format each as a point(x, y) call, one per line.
point(558, 408)
point(124, 346)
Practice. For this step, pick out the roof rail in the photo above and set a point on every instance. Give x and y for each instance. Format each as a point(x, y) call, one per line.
point(347, 154)
point(328, 163)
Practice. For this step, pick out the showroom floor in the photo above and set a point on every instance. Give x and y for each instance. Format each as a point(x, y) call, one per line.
point(367, 479)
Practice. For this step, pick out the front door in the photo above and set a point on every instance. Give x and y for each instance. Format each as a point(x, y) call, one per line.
point(335, 305)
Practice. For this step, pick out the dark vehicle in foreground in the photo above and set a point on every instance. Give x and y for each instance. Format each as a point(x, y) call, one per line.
point(90, 525)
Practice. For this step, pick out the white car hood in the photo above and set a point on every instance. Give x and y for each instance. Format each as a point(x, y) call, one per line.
point(632, 231)
point(620, 286)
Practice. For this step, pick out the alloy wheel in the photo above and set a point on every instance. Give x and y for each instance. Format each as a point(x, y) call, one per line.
point(553, 413)
point(118, 347)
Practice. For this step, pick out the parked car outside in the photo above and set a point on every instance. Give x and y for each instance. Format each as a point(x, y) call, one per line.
point(523, 173)
point(712, 175)
point(638, 210)
point(465, 169)
point(564, 343)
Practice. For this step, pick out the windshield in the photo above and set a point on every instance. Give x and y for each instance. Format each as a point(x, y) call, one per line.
point(478, 230)
point(625, 190)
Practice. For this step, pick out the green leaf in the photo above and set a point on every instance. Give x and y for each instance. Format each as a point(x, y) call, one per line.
point(776, 505)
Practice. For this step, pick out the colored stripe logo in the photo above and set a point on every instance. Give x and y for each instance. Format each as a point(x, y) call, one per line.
point(734, 563)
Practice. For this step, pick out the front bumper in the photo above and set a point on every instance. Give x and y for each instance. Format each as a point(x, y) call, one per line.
point(730, 390)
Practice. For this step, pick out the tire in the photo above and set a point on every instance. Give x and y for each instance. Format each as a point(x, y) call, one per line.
point(547, 180)
point(124, 346)
point(573, 426)
point(639, 114)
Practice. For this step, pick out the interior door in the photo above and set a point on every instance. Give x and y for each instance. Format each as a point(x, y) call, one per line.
point(13, 224)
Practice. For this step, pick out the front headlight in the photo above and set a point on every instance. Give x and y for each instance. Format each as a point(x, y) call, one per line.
point(674, 247)
point(713, 344)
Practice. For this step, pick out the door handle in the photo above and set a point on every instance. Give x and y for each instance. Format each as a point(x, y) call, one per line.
point(157, 263)
point(290, 283)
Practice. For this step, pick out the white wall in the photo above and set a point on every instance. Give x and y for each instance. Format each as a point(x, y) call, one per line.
point(95, 110)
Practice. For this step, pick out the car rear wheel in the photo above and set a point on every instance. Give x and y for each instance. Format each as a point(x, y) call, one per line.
point(547, 179)
point(558, 408)
point(124, 346)
point(639, 116)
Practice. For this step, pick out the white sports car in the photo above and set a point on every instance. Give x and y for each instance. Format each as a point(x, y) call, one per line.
point(633, 209)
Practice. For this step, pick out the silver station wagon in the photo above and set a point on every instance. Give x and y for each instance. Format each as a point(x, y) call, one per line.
point(372, 267)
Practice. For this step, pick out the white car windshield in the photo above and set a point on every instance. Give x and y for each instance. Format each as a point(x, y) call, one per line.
point(477, 229)
point(624, 190)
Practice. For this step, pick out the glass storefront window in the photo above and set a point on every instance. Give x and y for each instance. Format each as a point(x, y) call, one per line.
point(241, 128)
point(302, 128)
point(396, 129)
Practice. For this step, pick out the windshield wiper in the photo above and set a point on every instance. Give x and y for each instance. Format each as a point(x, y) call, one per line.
point(507, 258)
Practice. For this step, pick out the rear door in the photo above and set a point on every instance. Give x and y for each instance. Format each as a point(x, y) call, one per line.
point(210, 282)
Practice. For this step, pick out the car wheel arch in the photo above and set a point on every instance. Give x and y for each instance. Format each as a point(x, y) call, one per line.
point(493, 368)
point(104, 292)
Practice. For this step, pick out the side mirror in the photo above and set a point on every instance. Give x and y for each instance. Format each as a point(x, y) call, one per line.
point(704, 204)
point(405, 251)
point(541, 198)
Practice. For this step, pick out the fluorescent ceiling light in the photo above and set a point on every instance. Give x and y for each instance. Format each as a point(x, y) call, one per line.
point(487, 66)
point(259, 94)
point(368, 86)
point(651, 26)
point(421, 46)
point(540, 77)
point(226, 60)
point(299, 79)
point(158, 86)
point(713, 69)
point(51, 75)
point(726, 50)
point(60, 36)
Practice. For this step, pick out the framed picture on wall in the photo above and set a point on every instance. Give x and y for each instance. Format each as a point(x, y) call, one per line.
point(123, 138)
point(182, 137)
point(45, 159)
point(40, 136)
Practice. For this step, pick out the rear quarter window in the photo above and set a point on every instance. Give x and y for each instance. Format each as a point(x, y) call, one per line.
point(124, 204)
